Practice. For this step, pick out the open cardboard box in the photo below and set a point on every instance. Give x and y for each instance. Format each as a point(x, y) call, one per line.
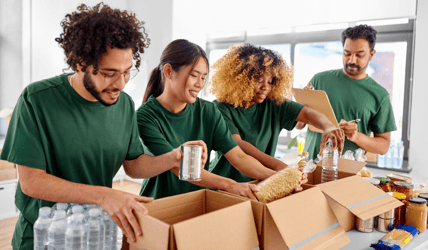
point(302, 221)
point(351, 195)
point(202, 219)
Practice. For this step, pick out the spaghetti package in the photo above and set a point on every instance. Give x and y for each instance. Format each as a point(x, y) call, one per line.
point(279, 185)
point(396, 239)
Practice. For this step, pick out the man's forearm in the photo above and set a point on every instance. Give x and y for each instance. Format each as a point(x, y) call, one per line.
point(377, 145)
point(146, 166)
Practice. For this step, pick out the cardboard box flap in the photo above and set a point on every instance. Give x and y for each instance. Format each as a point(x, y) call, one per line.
point(155, 233)
point(305, 220)
point(178, 208)
point(215, 201)
point(359, 196)
point(229, 228)
point(347, 166)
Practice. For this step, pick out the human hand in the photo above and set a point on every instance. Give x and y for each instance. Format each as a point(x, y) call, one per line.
point(303, 180)
point(336, 135)
point(309, 86)
point(120, 205)
point(350, 129)
point(243, 189)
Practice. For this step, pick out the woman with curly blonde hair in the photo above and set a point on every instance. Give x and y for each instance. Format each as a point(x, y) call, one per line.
point(253, 87)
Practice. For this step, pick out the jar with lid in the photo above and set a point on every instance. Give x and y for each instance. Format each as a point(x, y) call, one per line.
point(424, 196)
point(385, 184)
point(396, 186)
point(407, 189)
point(373, 181)
point(416, 213)
point(400, 212)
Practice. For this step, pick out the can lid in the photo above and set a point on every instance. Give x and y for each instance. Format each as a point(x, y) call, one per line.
point(372, 180)
point(407, 185)
point(399, 196)
point(383, 179)
point(418, 200)
point(423, 196)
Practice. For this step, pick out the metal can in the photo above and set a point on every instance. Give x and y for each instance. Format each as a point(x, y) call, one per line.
point(191, 164)
point(365, 226)
point(385, 221)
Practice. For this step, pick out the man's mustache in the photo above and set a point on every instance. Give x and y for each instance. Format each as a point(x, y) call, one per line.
point(352, 65)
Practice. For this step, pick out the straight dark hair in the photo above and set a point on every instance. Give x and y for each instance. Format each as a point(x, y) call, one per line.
point(178, 53)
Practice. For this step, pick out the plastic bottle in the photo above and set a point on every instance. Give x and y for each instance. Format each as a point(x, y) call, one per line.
point(59, 207)
point(56, 232)
point(69, 212)
point(399, 154)
point(381, 161)
point(41, 227)
point(75, 234)
point(110, 232)
point(390, 155)
point(329, 163)
point(96, 230)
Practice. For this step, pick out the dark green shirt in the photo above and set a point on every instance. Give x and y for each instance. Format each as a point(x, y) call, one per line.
point(353, 99)
point(259, 125)
point(54, 129)
point(162, 131)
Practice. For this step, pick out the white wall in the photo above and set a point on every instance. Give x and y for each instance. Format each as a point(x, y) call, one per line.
point(418, 150)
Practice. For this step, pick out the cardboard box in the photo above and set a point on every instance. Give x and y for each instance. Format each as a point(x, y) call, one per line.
point(202, 219)
point(354, 196)
point(303, 220)
point(345, 168)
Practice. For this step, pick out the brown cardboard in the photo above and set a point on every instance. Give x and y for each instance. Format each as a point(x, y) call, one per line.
point(289, 221)
point(345, 168)
point(198, 220)
point(318, 100)
point(354, 195)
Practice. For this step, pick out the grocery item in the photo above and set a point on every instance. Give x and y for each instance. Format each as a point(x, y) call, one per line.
point(385, 184)
point(191, 164)
point(416, 213)
point(373, 181)
point(398, 177)
point(365, 226)
point(364, 172)
point(279, 185)
point(396, 239)
point(424, 196)
point(385, 221)
point(329, 163)
point(400, 212)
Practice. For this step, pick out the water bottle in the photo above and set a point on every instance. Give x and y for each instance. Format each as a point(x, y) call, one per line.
point(96, 230)
point(56, 232)
point(389, 157)
point(329, 163)
point(381, 161)
point(110, 232)
point(59, 207)
point(69, 209)
point(399, 154)
point(41, 227)
point(75, 234)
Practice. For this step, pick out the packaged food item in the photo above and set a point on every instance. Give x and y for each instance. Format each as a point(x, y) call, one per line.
point(424, 196)
point(279, 185)
point(407, 189)
point(365, 226)
point(385, 222)
point(420, 187)
point(396, 239)
point(384, 184)
point(400, 212)
point(416, 213)
point(364, 172)
point(399, 177)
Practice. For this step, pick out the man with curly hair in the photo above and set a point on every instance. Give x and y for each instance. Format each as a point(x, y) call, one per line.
point(355, 95)
point(251, 84)
point(70, 134)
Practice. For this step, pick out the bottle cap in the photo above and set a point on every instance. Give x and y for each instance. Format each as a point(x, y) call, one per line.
point(45, 211)
point(94, 212)
point(77, 209)
point(399, 196)
point(61, 206)
point(418, 200)
point(59, 215)
point(423, 196)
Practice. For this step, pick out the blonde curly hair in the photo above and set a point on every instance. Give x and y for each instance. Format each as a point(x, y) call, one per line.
point(236, 75)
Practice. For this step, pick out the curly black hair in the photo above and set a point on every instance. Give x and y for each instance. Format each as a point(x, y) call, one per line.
point(362, 31)
point(89, 32)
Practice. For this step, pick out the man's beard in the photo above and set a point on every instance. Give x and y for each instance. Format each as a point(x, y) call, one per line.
point(90, 87)
point(359, 69)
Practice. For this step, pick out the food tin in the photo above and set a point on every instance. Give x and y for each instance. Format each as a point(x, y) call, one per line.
point(191, 164)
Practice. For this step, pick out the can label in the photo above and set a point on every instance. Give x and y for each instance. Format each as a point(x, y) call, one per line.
point(191, 164)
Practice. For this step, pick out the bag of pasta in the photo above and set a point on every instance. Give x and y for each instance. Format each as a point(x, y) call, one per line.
point(396, 239)
point(279, 185)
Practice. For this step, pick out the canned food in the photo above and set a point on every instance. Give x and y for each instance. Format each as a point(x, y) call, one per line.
point(365, 226)
point(385, 221)
point(191, 164)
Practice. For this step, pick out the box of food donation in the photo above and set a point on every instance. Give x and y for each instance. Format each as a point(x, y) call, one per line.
point(302, 220)
point(345, 168)
point(202, 219)
point(353, 196)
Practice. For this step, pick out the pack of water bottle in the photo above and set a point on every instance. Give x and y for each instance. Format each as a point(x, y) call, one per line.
point(74, 226)
point(394, 157)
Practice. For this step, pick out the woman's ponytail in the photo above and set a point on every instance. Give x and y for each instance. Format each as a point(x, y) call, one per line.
point(155, 85)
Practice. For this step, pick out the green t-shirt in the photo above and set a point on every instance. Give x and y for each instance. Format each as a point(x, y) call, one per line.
point(53, 128)
point(259, 125)
point(162, 131)
point(353, 99)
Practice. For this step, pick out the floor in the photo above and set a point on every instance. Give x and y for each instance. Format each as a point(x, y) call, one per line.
point(7, 226)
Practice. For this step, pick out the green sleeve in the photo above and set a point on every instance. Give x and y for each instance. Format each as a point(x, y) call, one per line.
point(227, 115)
point(289, 111)
point(384, 120)
point(150, 133)
point(135, 148)
point(223, 140)
point(23, 144)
